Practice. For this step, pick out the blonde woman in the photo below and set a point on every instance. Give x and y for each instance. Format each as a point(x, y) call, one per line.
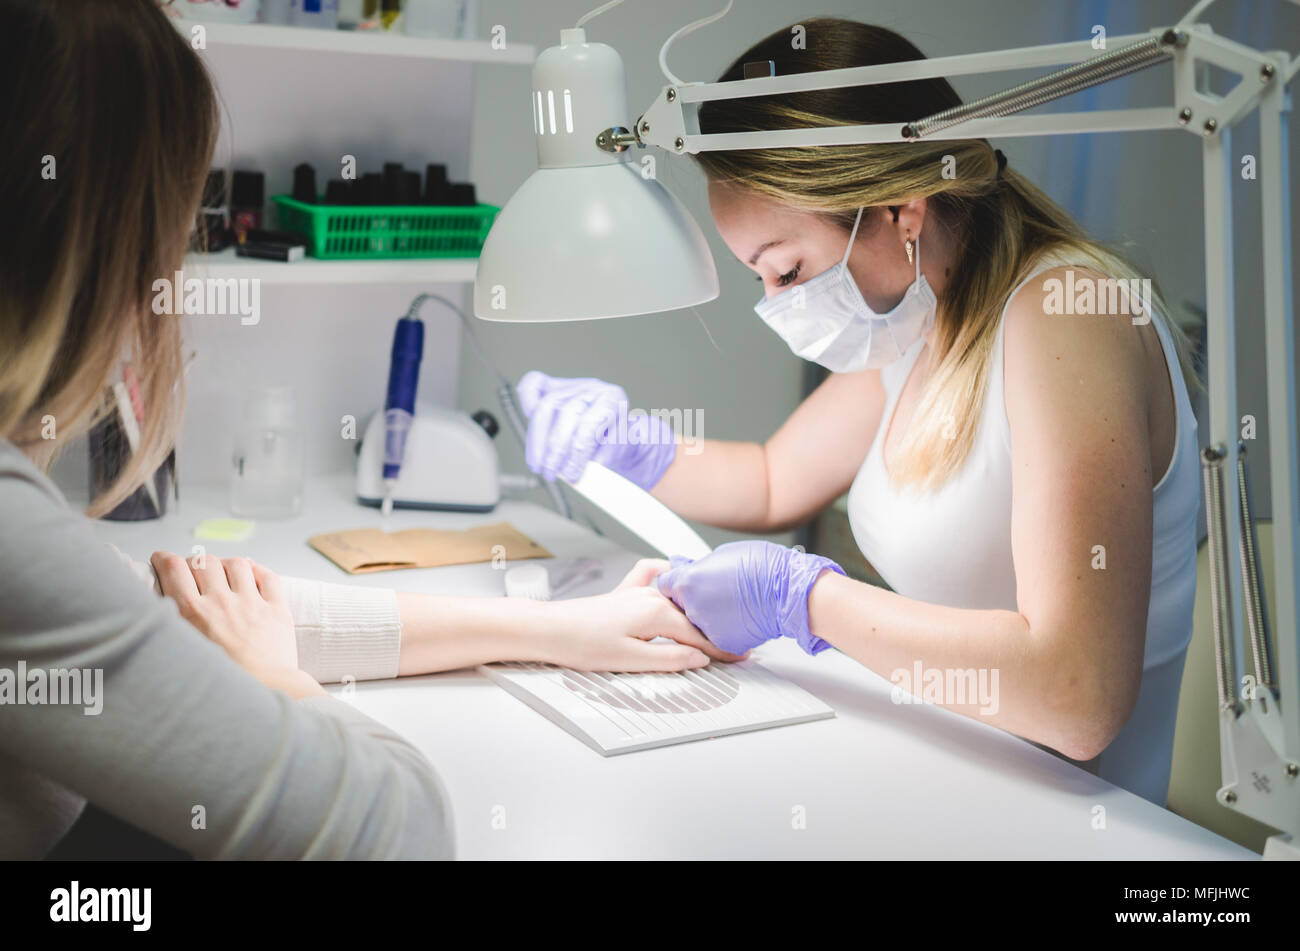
point(208, 728)
point(1026, 482)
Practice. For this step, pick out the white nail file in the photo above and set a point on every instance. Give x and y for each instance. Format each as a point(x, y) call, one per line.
point(640, 512)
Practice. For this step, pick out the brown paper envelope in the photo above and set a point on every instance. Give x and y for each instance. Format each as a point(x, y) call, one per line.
point(364, 550)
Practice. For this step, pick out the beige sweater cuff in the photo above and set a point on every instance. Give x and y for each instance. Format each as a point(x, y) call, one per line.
point(345, 631)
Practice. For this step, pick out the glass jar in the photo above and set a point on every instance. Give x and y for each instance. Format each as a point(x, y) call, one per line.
point(267, 476)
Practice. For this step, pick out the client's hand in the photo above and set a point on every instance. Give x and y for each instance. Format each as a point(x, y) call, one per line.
point(240, 606)
point(614, 631)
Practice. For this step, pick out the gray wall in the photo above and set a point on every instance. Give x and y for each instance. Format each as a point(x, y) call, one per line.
point(1142, 191)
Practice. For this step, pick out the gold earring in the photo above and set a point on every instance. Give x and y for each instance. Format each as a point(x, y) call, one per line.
point(908, 245)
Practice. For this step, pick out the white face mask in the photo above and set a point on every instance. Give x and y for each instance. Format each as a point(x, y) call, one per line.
point(825, 319)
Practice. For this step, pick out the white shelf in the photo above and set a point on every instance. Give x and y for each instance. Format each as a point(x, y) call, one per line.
point(363, 42)
point(225, 264)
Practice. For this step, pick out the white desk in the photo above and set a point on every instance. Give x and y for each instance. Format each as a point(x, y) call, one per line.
point(880, 780)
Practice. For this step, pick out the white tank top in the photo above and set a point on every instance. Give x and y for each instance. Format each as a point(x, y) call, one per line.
point(953, 547)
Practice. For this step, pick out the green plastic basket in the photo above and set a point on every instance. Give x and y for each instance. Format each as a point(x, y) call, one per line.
point(367, 232)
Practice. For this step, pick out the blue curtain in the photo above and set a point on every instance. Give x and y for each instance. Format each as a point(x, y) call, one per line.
point(1080, 166)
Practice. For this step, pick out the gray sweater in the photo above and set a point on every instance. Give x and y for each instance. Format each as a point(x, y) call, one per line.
point(185, 745)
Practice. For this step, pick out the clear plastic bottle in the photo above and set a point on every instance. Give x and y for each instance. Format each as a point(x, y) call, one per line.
point(351, 14)
point(276, 11)
point(267, 476)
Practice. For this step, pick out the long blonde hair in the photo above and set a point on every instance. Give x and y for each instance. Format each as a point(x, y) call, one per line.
point(1003, 223)
point(110, 121)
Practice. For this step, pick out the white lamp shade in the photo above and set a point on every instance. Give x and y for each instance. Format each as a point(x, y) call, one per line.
point(588, 242)
point(587, 235)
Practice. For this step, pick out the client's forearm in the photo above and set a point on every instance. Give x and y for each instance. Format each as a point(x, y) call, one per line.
point(363, 633)
point(447, 633)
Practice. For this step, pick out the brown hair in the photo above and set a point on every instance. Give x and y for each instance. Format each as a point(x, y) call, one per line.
point(1004, 224)
point(110, 121)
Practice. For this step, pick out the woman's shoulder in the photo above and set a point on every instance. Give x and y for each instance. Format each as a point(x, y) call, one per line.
point(1070, 323)
point(43, 543)
point(17, 470)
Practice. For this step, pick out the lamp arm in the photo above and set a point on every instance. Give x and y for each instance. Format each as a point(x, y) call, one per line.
point(671, 121)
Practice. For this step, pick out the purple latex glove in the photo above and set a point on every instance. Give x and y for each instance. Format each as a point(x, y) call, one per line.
point(574, 421)
point(745, 593)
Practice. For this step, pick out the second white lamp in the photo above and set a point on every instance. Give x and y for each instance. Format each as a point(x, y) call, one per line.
point(591, 233)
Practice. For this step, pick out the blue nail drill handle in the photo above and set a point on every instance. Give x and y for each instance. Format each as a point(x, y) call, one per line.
point(403, 378)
